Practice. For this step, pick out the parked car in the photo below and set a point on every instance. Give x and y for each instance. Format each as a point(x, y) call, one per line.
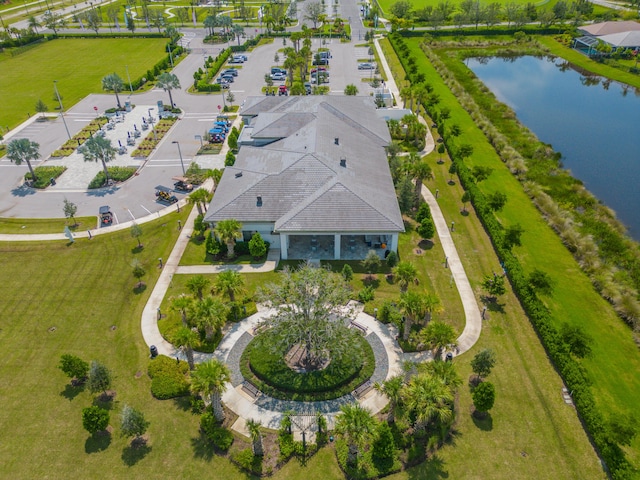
point(228, 77)
point(236, 60)
point(307, 88)
point(366, 66)
point(278, 70)
point(278, 77)
point(282, 90)
point(230, 71)
point(319, 69)
point(318, 60)
point(241, 56)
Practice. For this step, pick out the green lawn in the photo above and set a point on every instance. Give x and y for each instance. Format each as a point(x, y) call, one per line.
point(77, 64)
point(420, 4)
point(45, 225)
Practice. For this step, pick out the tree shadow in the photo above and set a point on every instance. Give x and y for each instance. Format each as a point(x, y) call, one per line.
point(492, 304)
point(464, 213)
point(484, 423)
point(425, 244)
point(432, 468)
point(105, 400)
point(202, 447)
point(134, 453)
point(371, 281)
point(23, 191)
point(70, 391)
point(97, 442)
point(137, 249)
point(102, 192)
point(183, 403)
point(139, 288)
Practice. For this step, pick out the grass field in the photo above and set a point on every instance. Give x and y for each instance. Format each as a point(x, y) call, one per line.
point(419, 4)
point(77, 64)
point(44, 225)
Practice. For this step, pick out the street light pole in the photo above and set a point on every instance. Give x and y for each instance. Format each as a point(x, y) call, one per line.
point(130, 86)
point(180, 153)
point(55, 87)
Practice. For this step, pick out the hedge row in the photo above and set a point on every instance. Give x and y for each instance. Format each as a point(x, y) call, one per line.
point(202, 79)
point(117, 174)
point(570, 369)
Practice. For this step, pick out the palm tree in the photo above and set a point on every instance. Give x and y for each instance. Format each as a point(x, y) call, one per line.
point(428, 398)
point(421, 171)
point(357, 426)
point(33, 23)
point(23, 150)
point(199, 198)
point(183, 304)
point(412, 305)
point(113, 83)
point(229, 282)
point(438, 335)
point(391, 389)
point(185, 338)
point(227, 231)
point(406, 273)
point(168, 81)
point(211, 378)
point(256, 436)
point(210, 314)
point(198, 284)
point(98, 148)
point(444, 371)
point(431, 306)
point(210, 23)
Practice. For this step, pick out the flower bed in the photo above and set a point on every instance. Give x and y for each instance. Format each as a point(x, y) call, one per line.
point(79, 138)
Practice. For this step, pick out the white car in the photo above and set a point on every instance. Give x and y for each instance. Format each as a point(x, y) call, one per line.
point(366, 66)
point(278, 77)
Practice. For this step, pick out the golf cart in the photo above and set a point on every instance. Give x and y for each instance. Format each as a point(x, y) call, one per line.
point(164, 195)
point(105, 216)
point(182, 184)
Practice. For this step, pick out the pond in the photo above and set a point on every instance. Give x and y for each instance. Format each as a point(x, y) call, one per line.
point(591, 122)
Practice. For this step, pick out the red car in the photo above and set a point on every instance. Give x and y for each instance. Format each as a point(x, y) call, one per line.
point(282, 90)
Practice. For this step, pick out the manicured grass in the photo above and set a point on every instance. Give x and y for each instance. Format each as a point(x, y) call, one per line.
point(77, 64)
point(420, 4)
point(45, 225)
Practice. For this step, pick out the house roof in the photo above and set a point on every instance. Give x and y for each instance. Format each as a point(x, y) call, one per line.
point(624, 39)
point(607, 28)
point(300, 175)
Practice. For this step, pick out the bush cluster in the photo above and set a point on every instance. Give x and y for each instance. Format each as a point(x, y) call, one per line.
point(168, 377)
point(44, 175)
point(216, 433)
point(117, 174)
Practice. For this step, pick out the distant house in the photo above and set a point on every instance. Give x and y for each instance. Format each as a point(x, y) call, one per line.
point(312, 177)
point(625, 34)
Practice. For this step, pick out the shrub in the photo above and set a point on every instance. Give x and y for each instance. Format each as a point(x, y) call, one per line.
point(221, 438)
point(367, 294)
point(257, 246)
point(44, 175)
point(117, 174)
point(347, 272)
point(389, 313)
point(95, 419)
point(392, 259)
point(73, 367)
point(247, 460)
point(230, 159)
point(168, 378)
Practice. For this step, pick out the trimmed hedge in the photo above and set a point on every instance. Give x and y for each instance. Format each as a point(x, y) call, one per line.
point(117, 174)
point(44, 175)
point(168, 377)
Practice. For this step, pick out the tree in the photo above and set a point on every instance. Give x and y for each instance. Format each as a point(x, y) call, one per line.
point(438, 335)
point(313, 12)
point(98, 148)
point(309, 311)
point(443, 371)
point(210, 314)
point(427, 399)
point(483, 396)
point(229, 282)
point(481, 173)
point(371, 263)
point(351, 89)
point(392, 259)
point(512, 236)
point(168, 81)
point(421, 171)
point(257, 246)
point(182, 304)
point(357, 426)
point(483, 362)
point(401, 9)
point(347, 272)
point(453, 169)
point(199, 198)
point(211, 378)
point(426, 229)
point(406, 194)
point(131, 24)
point(69, 209)
point(454, 130)
point(578, 341)
point(424, 212)
point(541, 282)
point(622, 429)
point(391, 389)
point(41, 107)
point(466, 198)
point(256, 436)
point(99, 377)
point(227, 231)
point(113, 83)
point(465, 150)
point(238, 32)
point(197, 285)
point(496, 201)
point(23, 150)
point(413, 308)
point(384, 446)
point(33, 23)
point(186, 339)
point(74, 367)
point(95, 419)
point(406, 272)
point(494, 286)
point(138, 272)
point(133, 423)
point(136, 232)
point(441, 150)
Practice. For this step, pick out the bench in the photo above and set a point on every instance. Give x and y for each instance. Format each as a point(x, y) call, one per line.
point(359, 326)
point(362, 389)
point(250, 389)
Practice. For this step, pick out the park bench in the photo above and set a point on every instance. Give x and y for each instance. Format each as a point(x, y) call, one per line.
point(359, 326)
point(363, 389)
point(250, 389)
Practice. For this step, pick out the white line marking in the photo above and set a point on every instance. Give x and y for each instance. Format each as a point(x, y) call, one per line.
point(132, 217)
point(146, 209)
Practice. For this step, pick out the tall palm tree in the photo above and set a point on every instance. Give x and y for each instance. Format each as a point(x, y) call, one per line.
point(183, 304)
point(227, 231)
point(98, 148)
point(113, 83)
point(185, 338)
point(33, 23)
point(406, 272)
point(431, 305)
point(168, 81)
point(421, 171)
point(199, 198)
point(256, 436)
point(197, 285)
point(391, 389)
point(428, 399)
point(211, 378)
point(357, 426)
point(229, 282)
point(23, 150)
point(210, 314)
point(412, 306)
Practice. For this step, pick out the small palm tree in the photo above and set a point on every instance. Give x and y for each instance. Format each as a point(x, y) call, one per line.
point(211, 378)
point(357, 426)
point(183, 304)
point(185, 338)
point(227, 231)
point(438, 335)
point(200, 198)
point(428, 399)
point(391, 389)
point(210, 314)
point(256, 436)
point(168, 81)
point(421, 171)
point(229, 282)
point(406, 272)
point(113, 83)
point(197, 285)
point(431, 305)
point(412, 306)
point(23, 150)
point(98, 148)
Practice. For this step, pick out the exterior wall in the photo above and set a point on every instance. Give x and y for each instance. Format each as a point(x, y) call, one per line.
point(264, 228)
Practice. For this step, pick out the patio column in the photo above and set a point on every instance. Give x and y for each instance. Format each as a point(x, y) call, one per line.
point(336, 246)
point(394, 243)
point(284, 246)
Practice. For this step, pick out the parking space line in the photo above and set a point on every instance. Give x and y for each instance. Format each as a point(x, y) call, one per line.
point(132, 217)
point(146, 209)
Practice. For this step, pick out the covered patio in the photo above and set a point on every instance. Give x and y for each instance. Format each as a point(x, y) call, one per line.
point(323, 247)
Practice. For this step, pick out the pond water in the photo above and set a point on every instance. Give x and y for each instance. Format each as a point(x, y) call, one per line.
point(593, 124)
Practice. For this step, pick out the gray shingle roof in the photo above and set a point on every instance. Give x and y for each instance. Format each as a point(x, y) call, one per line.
point(299, 176)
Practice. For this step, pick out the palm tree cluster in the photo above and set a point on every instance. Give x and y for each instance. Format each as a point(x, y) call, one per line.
point(202, 314)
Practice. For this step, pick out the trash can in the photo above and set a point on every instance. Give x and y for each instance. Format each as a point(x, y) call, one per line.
point(52, 181)
point(449, 357)
point(154, 351)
